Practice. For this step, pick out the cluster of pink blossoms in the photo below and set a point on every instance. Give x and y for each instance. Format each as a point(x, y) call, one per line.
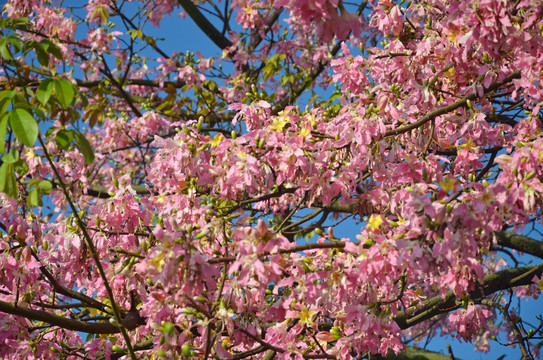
point(205, 183)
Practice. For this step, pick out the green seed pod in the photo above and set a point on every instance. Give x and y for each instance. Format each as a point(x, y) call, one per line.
point(169, 328)
point(529, 176)
point(200, 235)
point(200, 123)
point(118, 349)
point(336, 331)
point(186, 350)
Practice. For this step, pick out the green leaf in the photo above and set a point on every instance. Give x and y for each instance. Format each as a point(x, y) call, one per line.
point(43, 56)
point(20, 22)
point(52, 49)
point(8, 182)
point(100, 11)
point(65, 92)
point(28, 45)
point(38, 113)
point(84, 146)
point(104, 15)
point(24, 126)
point(44, 91)
point(50, 131)
point(34, 198)
point(3, 131)
point(21, 167)
point(4, 50)
point(135, 33)
point(45, 185)
point(38, 188)
point(11, 157)
point(64, 139)
point(33, 183)
point(7, 94)
point(14, 40)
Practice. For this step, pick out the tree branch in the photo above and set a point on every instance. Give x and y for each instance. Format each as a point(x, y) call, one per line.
point(451, 107)
point(314, 246)
point(495, 282)
point(211, 31)
point(92, 250)
point(90, 302)
point(521, 243)
point(60, 321)
point(295, 93)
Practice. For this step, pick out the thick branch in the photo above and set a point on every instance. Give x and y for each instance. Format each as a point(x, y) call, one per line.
point(60, 321)
point(501, 280)
point(69, 292)
point(211, 31)
point(521, 243)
